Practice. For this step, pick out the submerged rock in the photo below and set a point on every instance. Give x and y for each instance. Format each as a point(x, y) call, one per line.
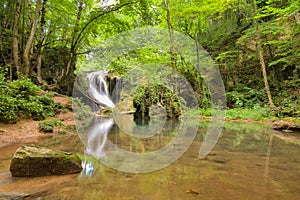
point(32, 161)
point(13, 196)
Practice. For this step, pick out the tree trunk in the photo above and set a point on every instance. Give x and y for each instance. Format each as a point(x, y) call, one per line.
point(264, 71)
point(30, 39)
point(171, 32)
point(29, 15)
point(261, 55)
point(40, 44)
point(15, 37)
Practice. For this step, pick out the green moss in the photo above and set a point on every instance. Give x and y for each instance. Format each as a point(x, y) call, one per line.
point(155, 94)
point(49, 124)
point(105, 111)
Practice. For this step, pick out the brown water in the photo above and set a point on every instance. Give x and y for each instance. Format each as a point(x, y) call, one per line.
point(249, 162)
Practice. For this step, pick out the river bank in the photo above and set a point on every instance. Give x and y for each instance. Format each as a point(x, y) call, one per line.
point(27, 130)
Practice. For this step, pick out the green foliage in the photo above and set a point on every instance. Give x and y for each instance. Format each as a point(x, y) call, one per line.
point(8, 105)
point(245, 97)
point(147, 95)
point(48, 125)
point(21, 98)
point(224, 28)
point(288, 100)
point(82, 111)
point(257, 113)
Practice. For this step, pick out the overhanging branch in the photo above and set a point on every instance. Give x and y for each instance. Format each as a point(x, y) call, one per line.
point(96, 17)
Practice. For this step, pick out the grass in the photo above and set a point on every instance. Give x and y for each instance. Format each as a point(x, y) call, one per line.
point(249, 114)
point(255, 114)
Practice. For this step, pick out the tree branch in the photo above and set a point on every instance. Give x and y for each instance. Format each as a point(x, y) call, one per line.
point(96, 17)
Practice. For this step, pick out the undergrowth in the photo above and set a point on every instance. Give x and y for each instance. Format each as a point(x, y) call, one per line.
point(23, 99)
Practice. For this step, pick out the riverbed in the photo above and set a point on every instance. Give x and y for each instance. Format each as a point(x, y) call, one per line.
point(249, 161)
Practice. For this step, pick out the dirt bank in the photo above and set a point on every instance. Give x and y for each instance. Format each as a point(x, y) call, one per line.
point(27, 130)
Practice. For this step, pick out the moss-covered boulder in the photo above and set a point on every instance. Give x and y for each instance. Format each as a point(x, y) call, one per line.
point(48, 125)
point(147, 96)
point(33, 161)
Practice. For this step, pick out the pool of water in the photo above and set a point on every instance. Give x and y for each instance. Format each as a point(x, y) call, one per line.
point(249, 161)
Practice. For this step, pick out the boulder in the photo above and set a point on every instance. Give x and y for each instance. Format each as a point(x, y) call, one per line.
point(286, 125)
point(33, 161)
point(159, 96)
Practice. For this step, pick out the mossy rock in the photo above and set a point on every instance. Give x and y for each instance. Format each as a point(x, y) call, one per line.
point(49, 124)
point(152, 95)
point(287, 124)
point(105, 111)
point(33, 161)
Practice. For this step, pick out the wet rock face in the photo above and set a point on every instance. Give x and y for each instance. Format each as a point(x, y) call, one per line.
point(33, 161)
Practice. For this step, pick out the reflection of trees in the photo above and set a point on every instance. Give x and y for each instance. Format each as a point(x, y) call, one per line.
point(143, 137)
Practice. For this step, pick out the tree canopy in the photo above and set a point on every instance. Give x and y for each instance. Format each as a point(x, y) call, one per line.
point(255, 43)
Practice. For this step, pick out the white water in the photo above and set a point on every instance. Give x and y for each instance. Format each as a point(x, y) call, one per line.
point(96, 140)
point(98, 91)
point(97, 133)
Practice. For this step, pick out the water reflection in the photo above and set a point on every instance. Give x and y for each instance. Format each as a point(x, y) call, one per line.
point(249, 161)
point(87, 168)
point(96, 138)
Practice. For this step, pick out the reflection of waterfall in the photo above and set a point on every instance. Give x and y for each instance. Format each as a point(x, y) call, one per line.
point(98, 91)
point(96, 134)
point(96, 138)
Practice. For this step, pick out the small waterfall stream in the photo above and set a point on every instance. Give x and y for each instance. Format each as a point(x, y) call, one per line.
point(96, 135)
point(98, 90)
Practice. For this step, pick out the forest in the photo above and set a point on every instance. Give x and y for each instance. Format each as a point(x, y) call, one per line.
point(254, 43)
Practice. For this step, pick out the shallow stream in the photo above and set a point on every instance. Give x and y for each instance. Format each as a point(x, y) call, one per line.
point(249, 161)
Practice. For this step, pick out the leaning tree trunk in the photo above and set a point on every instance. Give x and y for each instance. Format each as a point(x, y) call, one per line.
point(264, 72)
point(15, 37)
point(30, 39)
point(261, 55)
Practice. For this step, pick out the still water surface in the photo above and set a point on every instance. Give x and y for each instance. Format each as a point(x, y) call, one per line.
point(250, 161)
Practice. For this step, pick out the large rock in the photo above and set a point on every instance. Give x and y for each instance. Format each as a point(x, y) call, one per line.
point(32, 161)
point(286, 125)
point(147, 96)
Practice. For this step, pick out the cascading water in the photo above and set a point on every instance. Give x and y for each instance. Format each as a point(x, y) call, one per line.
point(98, 91)
point(96, 134)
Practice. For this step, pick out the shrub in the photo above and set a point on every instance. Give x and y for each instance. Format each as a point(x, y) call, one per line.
point(245, 97)
point(21, 98)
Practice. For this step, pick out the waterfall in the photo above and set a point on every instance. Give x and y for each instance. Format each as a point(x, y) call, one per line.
point(98, 91)
point(96, 134)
